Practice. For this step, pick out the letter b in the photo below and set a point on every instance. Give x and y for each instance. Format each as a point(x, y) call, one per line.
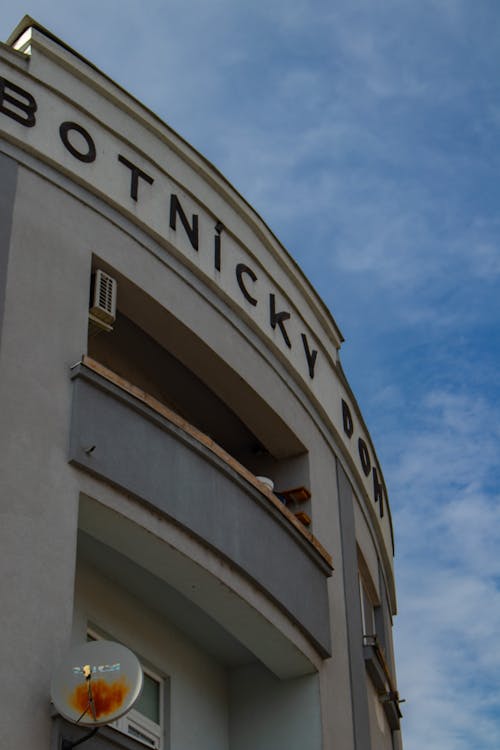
point(21, 105)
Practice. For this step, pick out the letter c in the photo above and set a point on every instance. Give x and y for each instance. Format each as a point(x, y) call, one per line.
point(241, 268)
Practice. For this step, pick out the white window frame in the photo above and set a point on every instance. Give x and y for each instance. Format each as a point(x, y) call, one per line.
point(367, 611)
point(135, 724)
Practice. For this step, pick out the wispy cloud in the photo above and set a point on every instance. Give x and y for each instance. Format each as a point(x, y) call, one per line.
point(448, 523)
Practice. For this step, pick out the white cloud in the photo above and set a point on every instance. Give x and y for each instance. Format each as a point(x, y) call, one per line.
point(448, 535)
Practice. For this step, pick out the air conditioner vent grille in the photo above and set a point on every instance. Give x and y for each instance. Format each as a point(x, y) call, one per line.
point(106, 294)
point(103, 300)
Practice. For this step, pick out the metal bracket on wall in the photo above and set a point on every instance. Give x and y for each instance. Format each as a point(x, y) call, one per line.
point(69, 744)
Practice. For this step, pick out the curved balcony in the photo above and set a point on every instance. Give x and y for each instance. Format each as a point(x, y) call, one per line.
point(127, 438)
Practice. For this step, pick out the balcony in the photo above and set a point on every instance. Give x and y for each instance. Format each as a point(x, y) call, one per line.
point(125, 437)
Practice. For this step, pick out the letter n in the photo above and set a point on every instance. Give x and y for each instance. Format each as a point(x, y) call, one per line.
point(191, 230)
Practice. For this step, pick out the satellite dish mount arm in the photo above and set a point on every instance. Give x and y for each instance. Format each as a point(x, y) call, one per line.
point(69, 744)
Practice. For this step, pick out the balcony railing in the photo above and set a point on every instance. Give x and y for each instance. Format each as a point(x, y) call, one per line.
point(126, 437)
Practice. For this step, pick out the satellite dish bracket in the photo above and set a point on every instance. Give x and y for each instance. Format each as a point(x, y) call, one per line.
point(69, 744)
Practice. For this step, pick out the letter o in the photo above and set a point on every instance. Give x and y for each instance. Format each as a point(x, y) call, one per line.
point(364, 456)
point(347, 420)
point(64, 130)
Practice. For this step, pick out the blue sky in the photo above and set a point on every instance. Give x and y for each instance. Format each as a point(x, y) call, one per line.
point(366, 134)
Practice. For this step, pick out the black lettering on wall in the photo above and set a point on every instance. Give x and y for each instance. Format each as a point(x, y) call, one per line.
point(177, 210)
point(347, 420)
point(135, 175)
point(219, 227)
point(364, 456)
point(241, 269)
point(310, 355)
point(87, 156)
point(279, 319)
point(23, 105)
point(378, 492)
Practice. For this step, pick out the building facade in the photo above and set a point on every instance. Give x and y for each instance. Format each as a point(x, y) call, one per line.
point(184, 467)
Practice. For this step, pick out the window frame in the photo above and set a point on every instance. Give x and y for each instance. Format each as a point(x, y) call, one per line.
point(368, 607)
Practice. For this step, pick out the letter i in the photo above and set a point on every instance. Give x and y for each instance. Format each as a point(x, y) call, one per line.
point(217, 245)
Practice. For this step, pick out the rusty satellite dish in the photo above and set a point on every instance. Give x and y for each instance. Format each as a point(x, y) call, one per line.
point(96, 683)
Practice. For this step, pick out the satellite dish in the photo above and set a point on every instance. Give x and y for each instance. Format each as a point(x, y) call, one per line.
point(96, 683)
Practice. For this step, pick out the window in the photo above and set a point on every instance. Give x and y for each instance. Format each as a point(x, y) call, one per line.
point(367, 613)
point(145, 721)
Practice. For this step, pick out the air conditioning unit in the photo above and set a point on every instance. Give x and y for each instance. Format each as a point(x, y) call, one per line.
point(102, 312)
